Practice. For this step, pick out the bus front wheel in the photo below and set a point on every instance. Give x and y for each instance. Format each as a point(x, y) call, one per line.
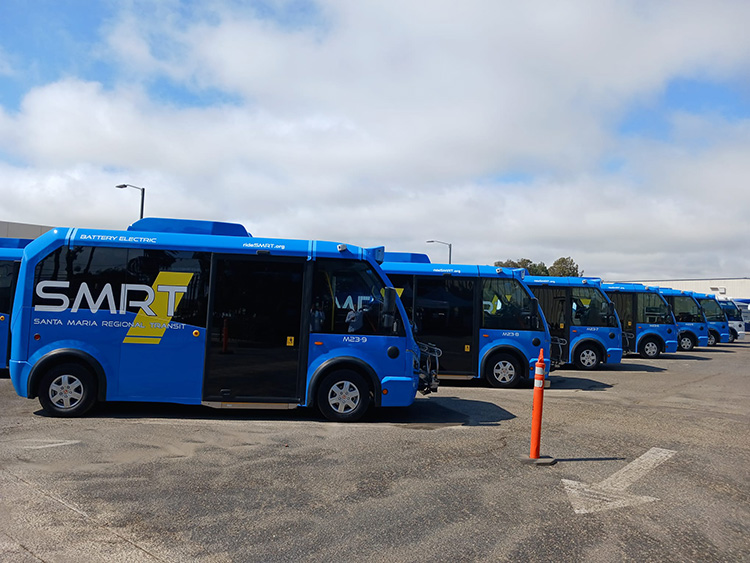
point(587, 357)
point(687, 342)
point(502, 370)
point(67, 390)
point(343, 396)
point(649, 349)
point(712, 340)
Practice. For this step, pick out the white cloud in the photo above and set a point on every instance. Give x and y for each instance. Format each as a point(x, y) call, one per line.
point(382, 122)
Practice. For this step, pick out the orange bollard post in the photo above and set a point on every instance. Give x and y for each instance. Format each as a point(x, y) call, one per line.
point(536, 414)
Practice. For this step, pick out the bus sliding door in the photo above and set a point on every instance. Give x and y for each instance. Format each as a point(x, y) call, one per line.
point(254, 353)
point(445, 316)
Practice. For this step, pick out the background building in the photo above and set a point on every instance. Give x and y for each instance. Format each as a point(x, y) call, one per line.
point(736, 289)
point(9, 229)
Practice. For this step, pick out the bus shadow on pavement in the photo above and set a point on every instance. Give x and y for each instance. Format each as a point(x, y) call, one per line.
point(437, 412)
point(580, 383)
point(631, 366)
point(686, 356)
point(431, 413)
point(171, 411)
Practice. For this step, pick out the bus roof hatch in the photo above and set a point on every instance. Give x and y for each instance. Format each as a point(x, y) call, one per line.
point(188, 226)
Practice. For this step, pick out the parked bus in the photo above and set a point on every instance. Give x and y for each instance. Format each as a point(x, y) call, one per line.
point(199, 312)
point(690, 319)
point(734, 319)
point(583, 323)
point(744, 307)
point(11, 250)
point(484, 319)
point(718, 327)
point(648, 326)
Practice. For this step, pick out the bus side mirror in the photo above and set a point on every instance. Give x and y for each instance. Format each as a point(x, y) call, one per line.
point(389, 307)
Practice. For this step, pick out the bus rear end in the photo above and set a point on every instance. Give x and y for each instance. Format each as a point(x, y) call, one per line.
point(11, 250)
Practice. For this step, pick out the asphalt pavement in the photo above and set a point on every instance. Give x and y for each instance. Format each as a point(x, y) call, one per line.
point(652, 461)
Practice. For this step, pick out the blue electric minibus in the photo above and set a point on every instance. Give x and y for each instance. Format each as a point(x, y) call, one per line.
point(484, 320)
point(689, 316)
point(648, 326)
point(583, 322)
point(734, 319)
point(718, 327)
point(200, 312)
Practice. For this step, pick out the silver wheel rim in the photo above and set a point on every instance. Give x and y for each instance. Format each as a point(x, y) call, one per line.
point(587, 358)
point(343, 397)
point(711, 340)
point(651, 349)
point(66, 392)
point(686, 343)
point(504, 371)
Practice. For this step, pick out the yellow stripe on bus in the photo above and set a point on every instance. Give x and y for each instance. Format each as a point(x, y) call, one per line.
point(148, 329)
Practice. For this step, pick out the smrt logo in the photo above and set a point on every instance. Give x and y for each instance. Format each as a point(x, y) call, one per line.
point(131, 295)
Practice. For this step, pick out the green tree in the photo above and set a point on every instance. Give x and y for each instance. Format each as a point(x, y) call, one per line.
point(534, 269)
point(564, 267)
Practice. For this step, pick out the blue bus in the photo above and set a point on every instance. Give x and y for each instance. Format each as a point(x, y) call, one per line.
point(648, 326)
point(11, 250)
point(690, 318)
point(718, 327)
point(200, 312)
point(484, 319)
point(583, 322)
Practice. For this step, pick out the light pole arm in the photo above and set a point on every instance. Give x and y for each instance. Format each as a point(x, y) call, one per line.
point(143, 193)
point(450, 248)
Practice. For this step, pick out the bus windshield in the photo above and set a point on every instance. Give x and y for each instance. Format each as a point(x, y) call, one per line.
point(653, 309)
point(686, 310)
point(712, 310)
point(732, 311)
point(591, 308)
point(506, 305)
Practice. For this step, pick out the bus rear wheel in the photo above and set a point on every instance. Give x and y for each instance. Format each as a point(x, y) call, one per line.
point(67, 390)
point(587, 357)
point(687, 342)
point(649, 349)
point(343, 396)
point(502, 370)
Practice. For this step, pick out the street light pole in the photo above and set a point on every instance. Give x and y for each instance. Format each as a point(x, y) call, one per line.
point(449, 245)
point(143, 193)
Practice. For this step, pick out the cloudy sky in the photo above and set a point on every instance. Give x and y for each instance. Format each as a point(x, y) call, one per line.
point(616, 132)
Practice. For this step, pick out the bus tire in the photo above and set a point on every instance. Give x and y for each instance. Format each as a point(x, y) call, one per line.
point(587, 357)
point(649, 348)
point(712, 339)
point(732, 335)
point(343, 396)
point(67, 390)
point(502, 371)
point(687, 342)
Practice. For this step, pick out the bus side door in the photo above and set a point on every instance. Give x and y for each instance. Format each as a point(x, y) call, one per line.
point(446, 316)
point(256, 330)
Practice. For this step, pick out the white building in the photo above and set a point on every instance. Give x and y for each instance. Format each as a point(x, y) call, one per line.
point(733, 288)
point(9, 229)
point(736, 289)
